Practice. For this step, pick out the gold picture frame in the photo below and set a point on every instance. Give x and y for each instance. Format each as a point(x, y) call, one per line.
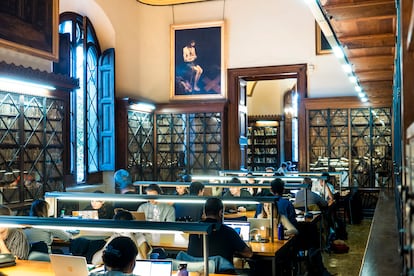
point(197, 61)
point(34, 32)
point(322, 45)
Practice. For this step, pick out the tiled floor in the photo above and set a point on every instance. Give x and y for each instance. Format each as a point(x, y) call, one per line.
point(349, 264)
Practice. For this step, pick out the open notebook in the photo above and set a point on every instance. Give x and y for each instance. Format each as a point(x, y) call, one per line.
point(68, 265)
point(153, 268)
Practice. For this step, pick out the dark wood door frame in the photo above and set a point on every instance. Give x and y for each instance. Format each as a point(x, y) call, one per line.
point(298, 71)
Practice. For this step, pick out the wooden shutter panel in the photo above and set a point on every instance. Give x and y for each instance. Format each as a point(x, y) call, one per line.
point(106, 110)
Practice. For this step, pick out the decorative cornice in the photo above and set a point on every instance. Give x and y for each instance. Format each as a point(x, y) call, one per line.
point(168, 2)
point(38, 76)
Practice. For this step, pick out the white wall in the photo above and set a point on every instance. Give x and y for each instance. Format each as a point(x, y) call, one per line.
point(258, 33)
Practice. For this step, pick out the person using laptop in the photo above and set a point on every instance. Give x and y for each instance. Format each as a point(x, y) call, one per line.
point(154, 210)
point(105, 209)
point(190, 211)
point(143, 246)
point(237, 191)
point(13, 240)
point(314, 201)
point(223, 241)
point(119, 257)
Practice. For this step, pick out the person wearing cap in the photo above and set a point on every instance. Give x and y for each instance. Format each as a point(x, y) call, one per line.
point(155, 210)
point(123, 182)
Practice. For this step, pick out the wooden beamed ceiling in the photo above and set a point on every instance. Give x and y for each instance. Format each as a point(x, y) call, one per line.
point(367, 31)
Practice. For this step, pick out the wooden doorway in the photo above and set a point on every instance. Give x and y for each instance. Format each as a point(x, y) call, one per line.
point(237, 120)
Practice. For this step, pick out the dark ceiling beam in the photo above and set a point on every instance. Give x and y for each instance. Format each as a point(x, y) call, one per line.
point(369, 9)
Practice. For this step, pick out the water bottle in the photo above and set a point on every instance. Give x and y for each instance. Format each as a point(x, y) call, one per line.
point(182, 270)
point(280, 232)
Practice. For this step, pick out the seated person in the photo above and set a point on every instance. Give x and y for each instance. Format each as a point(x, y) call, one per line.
point(284, 205)
point(190, 211)
point(154, 210)
point(325, 189)
point(315, 201)
point(181, 190)
point(290, 229)
point(224, 241)
point(238, 192)
point(119, 257)
point(251, 181)
point(13, 240)
point(40, 208)
point(123, 182)
point(144, 248)
point(282, 169)
point(105, 210)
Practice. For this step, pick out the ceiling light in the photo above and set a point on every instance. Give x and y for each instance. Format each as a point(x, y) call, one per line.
point(338, 52)
point(347, 68)
point(13, 85)
point(353, 79)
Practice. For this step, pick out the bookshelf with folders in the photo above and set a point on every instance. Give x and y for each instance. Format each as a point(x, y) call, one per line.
point(263, 143)
point(173, 140)
point(351, 138)
point(189, 139)
point(34, 137)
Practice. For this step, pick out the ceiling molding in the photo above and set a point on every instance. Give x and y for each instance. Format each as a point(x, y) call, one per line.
point(169, 2)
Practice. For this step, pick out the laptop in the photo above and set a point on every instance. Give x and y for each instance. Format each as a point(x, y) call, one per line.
point(260, 226)
point(140, 216)
point(68, 265)
point(88, 214)
point(241, 227)
point(153, 268)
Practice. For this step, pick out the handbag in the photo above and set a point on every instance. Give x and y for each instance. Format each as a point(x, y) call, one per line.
point(7, 259)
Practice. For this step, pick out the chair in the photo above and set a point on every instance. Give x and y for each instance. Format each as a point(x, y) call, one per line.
point(39, 251)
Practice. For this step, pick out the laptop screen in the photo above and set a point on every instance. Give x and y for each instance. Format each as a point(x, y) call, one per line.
point(153, 268)
point(241, 227)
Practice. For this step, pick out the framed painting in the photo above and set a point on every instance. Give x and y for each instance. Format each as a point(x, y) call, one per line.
point(30, 27)
point(322, 45)
point(197, 61)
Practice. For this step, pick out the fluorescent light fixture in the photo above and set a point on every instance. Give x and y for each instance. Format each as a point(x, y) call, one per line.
point(337, 50)
point(347, 68)
point(147, 107)
point(13, 85)
point(353, 79)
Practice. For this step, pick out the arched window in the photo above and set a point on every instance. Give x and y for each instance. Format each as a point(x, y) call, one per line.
point(81, 58)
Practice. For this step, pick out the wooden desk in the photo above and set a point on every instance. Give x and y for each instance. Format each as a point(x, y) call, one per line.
point(179, 242)
point(36, 268)
point(32, 268)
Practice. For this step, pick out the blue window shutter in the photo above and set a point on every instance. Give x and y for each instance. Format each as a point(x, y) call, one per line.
point(106, 107)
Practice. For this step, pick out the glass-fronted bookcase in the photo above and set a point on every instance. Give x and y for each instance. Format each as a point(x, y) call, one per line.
point(353, 139)
point(34, 134)
point(173, 140)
